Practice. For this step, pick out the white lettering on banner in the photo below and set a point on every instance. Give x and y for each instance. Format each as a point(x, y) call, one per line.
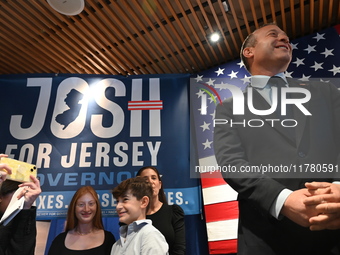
point(44, 151)
point(107, 200)
point(15, 128)
point(99, 157)
point(98, 92)
point(83, 178)
point(137, 153)
point(177, 199)
point(71, 125)
point(115, 109)
point(72, 157)
point(120, 149)
point(84, 154)
point(154, 152)
point(60, 201)
point(50, 202)
point(26, 153)
point(102, 154)
point(154, 115)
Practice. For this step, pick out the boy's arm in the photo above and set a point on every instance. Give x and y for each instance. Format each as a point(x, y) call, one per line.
point(154, 243)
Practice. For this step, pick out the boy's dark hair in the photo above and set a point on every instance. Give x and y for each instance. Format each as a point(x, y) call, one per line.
point(138, 187)
point(161, 193)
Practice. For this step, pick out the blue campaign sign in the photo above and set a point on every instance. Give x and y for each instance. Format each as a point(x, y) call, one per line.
point(98, 130)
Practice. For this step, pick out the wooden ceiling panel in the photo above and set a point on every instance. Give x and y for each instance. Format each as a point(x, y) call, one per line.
point(144, 37)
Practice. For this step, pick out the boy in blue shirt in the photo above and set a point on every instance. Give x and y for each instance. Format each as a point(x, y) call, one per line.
point(138, 236)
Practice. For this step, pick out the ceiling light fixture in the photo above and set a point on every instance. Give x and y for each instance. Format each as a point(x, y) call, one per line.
point(214, 37)
point(225, 6)
point(67, 7)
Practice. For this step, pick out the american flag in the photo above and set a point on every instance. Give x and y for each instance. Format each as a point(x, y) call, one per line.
point(314, 56)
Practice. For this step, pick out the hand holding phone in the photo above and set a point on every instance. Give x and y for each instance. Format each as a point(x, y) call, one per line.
point(21, 171)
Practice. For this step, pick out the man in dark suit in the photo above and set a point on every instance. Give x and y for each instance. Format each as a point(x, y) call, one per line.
point(274, 218)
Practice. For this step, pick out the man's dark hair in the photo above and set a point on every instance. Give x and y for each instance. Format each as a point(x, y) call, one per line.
point(250, 41)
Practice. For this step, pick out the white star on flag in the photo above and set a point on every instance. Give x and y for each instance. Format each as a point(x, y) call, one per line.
point(310, 49)
point(205, 126)
point(335, 70)
point(219, 71)
point(207, 144)
point(240, 64)
point(288, 74)
point(200, 93)
point(246, 79)
point(294, 46)
point(211, 82)
point(317, 66)
point(213, 115)
point(327, 52)
point(319, 37)
point(299, 62)
point(199, 78)
point(221, 85)
point(305, 78)
point(233, 74)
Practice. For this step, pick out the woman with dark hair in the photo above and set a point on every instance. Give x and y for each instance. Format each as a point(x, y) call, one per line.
point(168, 219)
point(84, 231)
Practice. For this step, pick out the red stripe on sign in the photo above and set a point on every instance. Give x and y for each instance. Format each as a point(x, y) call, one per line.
point(158, 102)
point(221, 211)
point(223, 247)
point(144, 108)
point(145, 105)
point(145, 101)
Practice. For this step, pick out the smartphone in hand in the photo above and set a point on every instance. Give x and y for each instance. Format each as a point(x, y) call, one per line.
point(21, 171)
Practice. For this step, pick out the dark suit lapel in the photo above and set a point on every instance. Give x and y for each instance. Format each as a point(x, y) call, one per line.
point(260, 103)
point(299, 116)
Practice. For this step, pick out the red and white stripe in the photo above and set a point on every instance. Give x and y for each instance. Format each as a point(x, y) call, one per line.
point(221, 210)
point(145, 105)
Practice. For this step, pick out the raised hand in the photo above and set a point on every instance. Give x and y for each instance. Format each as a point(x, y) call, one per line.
point(31, 191)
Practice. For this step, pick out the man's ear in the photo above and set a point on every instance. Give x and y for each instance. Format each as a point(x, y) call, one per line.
point(248, 52)
point(145, 201)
